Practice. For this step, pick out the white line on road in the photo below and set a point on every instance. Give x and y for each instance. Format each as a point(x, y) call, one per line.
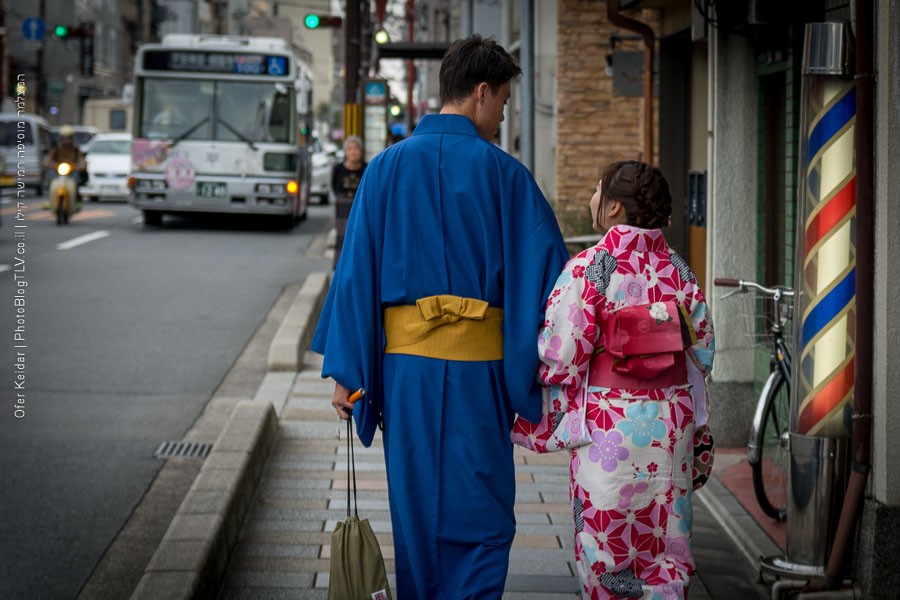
point(4, 268)
point(82, 239)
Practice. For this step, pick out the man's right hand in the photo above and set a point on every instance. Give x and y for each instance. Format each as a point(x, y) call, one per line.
point(340, 400)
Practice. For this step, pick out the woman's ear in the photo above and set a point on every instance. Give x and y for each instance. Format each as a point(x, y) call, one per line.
point(614, 208)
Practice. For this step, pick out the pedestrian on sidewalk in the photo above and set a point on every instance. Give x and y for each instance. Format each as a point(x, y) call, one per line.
point(622, 324)
point(346, 175)
point(345, 178)
point(451, 250)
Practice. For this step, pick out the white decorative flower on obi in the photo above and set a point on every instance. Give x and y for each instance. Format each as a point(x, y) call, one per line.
point(658, 312)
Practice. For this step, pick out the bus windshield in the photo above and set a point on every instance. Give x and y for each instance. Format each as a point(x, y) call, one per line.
point(195, 109)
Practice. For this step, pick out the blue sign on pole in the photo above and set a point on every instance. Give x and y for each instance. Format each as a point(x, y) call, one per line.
point(33, 29)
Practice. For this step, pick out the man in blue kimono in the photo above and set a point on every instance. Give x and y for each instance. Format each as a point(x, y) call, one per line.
point(450, 253)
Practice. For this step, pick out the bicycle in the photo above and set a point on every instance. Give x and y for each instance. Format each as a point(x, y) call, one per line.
point(767, 450)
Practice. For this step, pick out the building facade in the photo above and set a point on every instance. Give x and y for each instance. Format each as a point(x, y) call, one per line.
point(727, 89)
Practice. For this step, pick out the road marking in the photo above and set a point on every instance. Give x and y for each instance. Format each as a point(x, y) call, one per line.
point(4, 268)
point(11, 210)
point(82, 239)
point(83, 215)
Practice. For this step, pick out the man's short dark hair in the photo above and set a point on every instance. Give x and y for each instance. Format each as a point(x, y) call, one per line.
point(472, 60)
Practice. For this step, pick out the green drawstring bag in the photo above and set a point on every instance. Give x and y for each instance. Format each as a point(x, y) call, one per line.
point(357, 565)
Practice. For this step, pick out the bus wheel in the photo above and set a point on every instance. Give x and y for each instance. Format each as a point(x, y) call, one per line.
point(152, 218)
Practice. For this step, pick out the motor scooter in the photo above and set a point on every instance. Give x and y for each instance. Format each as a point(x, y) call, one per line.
point(63, 193)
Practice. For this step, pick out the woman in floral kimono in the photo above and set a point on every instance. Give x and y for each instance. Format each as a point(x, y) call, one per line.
point(623, 319)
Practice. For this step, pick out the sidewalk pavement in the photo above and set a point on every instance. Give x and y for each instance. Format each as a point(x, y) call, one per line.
point(257, 523)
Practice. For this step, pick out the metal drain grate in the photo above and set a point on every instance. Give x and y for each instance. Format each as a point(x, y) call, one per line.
point(182, 450)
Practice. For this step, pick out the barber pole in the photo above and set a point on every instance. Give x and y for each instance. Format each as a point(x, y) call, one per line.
point(828, 301)
point(825, 304)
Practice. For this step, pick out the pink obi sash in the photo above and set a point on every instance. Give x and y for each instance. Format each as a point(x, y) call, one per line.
point(643, 348)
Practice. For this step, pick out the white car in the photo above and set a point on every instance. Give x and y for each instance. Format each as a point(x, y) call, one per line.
point(108, 164)
point(321, 162)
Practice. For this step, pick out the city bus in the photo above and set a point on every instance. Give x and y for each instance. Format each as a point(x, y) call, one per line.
point(216, 128)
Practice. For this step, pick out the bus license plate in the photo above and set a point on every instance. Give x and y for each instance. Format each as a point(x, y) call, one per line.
point(212, 189)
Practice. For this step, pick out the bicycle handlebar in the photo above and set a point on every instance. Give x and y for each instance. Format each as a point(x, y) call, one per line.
point(727, 282)
point(745, 285)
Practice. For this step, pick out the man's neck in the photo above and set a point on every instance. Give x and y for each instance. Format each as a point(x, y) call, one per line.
point(466, 108)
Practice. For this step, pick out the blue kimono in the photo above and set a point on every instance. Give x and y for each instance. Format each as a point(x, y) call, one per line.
point(444, 212)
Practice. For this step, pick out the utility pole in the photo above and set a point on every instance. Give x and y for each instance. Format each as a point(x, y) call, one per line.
point(3, 80)
point(365, 37)
point(39, 84)
point(410, 66)
point(352, 41)
point(526, 60)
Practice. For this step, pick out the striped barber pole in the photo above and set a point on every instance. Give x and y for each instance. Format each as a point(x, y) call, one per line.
point(827, 307)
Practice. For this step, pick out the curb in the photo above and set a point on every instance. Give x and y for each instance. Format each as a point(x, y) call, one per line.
point(194, 552)
point(747, 535)
point(295, 332)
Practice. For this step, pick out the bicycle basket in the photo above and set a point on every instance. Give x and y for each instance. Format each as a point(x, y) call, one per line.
point(758, 313)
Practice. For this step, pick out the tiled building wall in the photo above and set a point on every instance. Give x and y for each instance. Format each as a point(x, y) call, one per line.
point(594, 127)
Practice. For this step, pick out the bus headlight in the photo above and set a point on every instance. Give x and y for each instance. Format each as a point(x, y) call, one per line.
point(292, 187)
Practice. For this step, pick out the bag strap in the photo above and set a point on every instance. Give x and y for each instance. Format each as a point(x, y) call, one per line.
point(351, 466)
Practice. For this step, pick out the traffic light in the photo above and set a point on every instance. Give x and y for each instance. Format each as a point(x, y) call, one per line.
point(314, 21)
point(382, 36)
point(82, 30)
point(85, 33)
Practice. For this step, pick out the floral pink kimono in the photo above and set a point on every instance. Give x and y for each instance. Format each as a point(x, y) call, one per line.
point(630, 487)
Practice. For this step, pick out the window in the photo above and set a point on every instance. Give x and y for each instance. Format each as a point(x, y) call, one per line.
point(260, 112)
point(9, 132)
point(111, 147)
point(217, 110)
point(117, 120)
point(176, 107)
point(775, 200)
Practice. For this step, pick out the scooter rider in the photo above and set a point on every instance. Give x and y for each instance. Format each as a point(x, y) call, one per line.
point(66, 151)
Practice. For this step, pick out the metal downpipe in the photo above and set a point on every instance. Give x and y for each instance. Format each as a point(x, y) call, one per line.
point(616, 18)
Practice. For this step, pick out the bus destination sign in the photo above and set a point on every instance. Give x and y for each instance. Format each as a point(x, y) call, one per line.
point(216, 62)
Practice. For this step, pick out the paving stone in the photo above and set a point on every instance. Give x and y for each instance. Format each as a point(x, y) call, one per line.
point(269, 579)
point(278, 551)
point(285, 545)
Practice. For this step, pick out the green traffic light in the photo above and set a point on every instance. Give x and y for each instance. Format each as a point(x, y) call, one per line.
point(61, 31)
point(311, 21)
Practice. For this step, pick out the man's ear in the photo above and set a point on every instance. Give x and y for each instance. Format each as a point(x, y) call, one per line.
point(481, 91)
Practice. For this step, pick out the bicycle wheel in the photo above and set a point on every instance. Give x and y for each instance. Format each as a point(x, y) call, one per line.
point(770, 472)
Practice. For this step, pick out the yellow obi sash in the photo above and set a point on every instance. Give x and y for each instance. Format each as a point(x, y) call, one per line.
point(446, 327)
